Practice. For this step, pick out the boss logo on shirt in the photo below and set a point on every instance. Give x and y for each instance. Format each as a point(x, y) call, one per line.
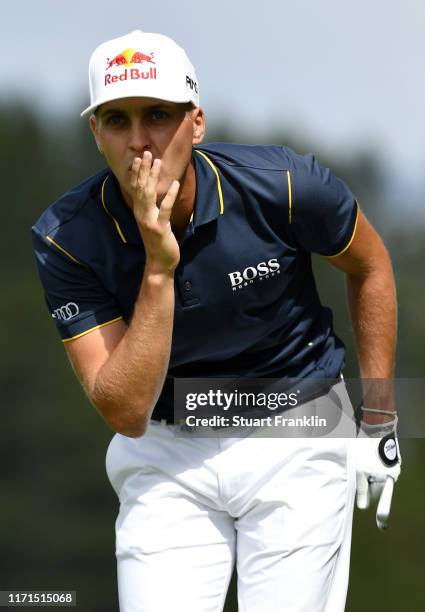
point(66, 312)
point(262, 271)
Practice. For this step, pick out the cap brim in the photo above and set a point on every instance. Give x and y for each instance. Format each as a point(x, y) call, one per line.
point(91, 109)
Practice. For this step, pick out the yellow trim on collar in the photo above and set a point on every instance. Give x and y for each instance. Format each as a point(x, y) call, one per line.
point(220, 192)
point(58, 246)
point(91, 329)
point(288, 176)
point(112, 217)
point(351, 239)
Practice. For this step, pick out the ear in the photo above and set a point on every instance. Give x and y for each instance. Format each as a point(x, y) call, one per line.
point(95, 131)
point(198, 121)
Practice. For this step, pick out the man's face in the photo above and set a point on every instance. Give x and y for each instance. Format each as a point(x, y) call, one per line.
point(125, 128)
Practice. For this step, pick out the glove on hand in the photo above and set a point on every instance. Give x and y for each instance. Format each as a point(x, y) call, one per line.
point(377, 461)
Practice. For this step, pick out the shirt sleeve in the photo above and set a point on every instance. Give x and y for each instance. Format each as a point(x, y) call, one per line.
point(324, 211)
point(77, 301)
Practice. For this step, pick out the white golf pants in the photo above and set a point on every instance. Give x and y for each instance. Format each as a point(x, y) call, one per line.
point(190, 507)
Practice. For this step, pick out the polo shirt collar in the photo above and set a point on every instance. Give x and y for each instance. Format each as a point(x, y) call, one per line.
point(209, 201)
point(114, 205)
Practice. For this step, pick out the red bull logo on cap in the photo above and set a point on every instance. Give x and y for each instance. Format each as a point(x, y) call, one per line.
point(128, 58)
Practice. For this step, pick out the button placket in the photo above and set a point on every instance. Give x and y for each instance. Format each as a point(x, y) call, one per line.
point(186, 287)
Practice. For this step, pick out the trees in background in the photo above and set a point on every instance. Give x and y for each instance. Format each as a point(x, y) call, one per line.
point(57, 510)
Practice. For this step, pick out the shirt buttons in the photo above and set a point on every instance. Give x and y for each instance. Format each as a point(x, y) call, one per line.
point(188, 286)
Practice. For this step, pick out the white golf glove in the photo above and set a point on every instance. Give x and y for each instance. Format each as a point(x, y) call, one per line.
point(377, 461)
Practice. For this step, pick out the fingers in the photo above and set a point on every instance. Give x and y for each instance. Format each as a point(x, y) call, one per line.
point(362, 492)
point(384, 505)
point(135, 168)
point(168, 203)
point(150, 185)
point(140, 170)
point(144, 181)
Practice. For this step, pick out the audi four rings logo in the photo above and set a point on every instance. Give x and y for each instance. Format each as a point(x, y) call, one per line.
point(66, 312)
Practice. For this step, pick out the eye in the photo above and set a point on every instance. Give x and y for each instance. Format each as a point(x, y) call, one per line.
point(115, 120)
point(159, 115)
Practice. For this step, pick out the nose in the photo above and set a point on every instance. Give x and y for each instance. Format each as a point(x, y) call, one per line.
point(139, 140)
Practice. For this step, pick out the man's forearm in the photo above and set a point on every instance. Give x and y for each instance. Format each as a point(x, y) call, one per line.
point(373, 307)
point(373, 310)
point(129, 383)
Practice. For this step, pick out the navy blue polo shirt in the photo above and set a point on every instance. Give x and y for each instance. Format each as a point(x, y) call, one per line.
point(246, 299)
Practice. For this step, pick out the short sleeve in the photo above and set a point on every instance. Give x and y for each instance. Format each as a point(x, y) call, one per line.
point(324, 211)
point(77, 301)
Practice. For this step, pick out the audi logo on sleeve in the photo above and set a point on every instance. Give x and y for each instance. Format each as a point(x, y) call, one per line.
point(66, 312)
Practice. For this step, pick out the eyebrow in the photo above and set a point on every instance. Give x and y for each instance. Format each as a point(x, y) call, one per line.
point(111, 111)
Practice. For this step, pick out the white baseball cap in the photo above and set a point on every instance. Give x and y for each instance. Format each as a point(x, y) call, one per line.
point(141, 64)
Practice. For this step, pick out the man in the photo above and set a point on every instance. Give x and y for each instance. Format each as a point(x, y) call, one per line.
point(188, 261)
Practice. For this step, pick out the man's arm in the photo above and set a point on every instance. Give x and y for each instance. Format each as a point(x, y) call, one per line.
point(122, 369)
point(373, 308)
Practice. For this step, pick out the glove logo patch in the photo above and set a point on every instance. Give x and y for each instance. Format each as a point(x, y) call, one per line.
point(388, 450)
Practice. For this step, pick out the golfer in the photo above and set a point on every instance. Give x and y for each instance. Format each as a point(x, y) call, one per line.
point(189, 261)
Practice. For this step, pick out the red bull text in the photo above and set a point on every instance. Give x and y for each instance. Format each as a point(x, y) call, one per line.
point(129, 58)
point(130, 74)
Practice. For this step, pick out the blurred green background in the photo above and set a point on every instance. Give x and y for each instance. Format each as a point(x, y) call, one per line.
point(58, 510)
